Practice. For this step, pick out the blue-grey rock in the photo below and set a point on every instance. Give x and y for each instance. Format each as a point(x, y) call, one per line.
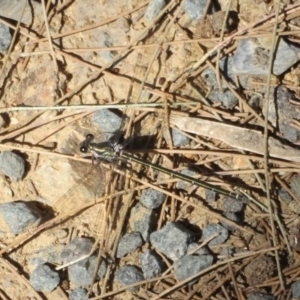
point(172, 240)
point(151, 264)
point(81, 273)
point(50, 254)
point(43, 279)
point(227, 99)
point(210, 196)
point(232, 217)
point(178, 139)
point(106, 120)
point(212, 229)
point(284, 195)
point(153, 9)
point(76, 248)
point(12, 165)
point(260, 296)
point(142, 220)
point(151, 198)
point(183, 185)
point(296, 289)
point(129, 243)
point(129, 274)
point(200, 251)
point(252, 56)
point(78, 294)
point(5, 38)
point(19, 216)
point(195, 8)
point(190, 265)
point(232, 205)
point(295, 185)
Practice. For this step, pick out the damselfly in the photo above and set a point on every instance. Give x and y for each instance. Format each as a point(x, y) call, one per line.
point(111, 150)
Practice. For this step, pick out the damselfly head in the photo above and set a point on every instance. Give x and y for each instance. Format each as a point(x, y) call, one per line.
point(84, 146)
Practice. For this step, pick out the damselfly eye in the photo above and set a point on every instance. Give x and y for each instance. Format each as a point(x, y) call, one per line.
point(83, 149)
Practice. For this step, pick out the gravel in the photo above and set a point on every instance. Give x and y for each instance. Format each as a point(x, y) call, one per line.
point(190, 265)
point(178, 139)
point(5, 38)
point(106, 120)
point(19, 216)
point(195, 8)
point(285, 195)
point(232, 205)
point(212, 229)
point(78, 294)
point(296, 289)
point(76, 248)
point(43, 279)
point(151, 264)
point(129, 274)
point(210, 196)
point(183, 185)
point(227, 99)
point(151, 198)
point(153, 9)
point(172, 240)
point(230, 216)
point(129, 243)
point(81, 273)
point(142, 220)
point(12, 165)
point(201, 251)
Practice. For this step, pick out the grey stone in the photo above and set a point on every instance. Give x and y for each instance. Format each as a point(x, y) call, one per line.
point(43, 279)
point(210, 196)
point(81, 273)
point(190, 265)
point(151, 264)
point(285, 195)
point(151, 198)
point(227, 99)
point(183, 185)
point(195, 8)
point(5, 38)
point(77, 248)
point(232, 205)
point(50, 254)
point(129, 243)
point(153, 9)
point(78, 294)
point(295, 185)
point(200, 251)
point(212, 229)
point(230, 216)
point(19, 215)
point(178, 138)
point(172, 240)
point(255, 101)
point(252, 56)
point(142, 220)
point(129, 274)
point(12, 165)
point(296, 289)
point(107, 120)
point(260, 296)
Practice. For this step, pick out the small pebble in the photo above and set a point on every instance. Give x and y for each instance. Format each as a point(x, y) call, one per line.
point(151, 198)
point(260, 296)
point(43, 279)
point(232, 205)
point(255, 101)
point(295, 185)
point(210, 196)
point(12, 165)
point(191, 264)
point(296, 289)
point(212, 229)
point(61, 233)
point(78, 294)
point(195, 8)
point(285, 196)
point(178, 139)
point(183, 185)
point(76, 248)
point(172, 240)
point(106, 120)
point(5, 38)
point(19, 216)
point(227, 99)
point(81, 273)
point(154, 8)
point(129, 274)
point(202, 251)
point(151, 264)
point(129, 243)
point(230, 216)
